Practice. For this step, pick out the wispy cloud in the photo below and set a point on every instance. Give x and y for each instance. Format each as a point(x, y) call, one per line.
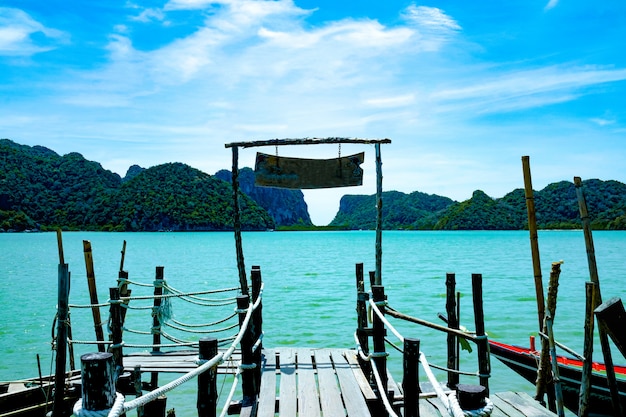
point(16, 34)
point(551, 4)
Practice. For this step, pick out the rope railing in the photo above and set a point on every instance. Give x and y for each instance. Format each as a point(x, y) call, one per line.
point(120, 406)
point(449, 401)
point(164, 315)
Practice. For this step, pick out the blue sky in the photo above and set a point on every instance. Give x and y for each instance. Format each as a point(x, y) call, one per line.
point(463, 88)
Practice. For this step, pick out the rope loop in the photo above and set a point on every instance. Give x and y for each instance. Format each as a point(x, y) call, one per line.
point(484, 411)
point(79, 411)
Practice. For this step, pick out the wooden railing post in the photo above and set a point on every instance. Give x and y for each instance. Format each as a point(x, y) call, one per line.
point(257, 325)
point(585, 380)
point(248, 383)
point(156, 324)
point(116, 330)
point(362, 330)
point(379, 332)
point(61, 342)
point(93, 293)
point(453, 323)
point(482, 343)
point(207, 381)
point(410, 381)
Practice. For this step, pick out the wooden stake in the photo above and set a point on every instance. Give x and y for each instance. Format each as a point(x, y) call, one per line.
point(93, 294)
point(593, 275)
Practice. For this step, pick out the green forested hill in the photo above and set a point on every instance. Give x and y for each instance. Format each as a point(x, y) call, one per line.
point(40, 189)
point(556, 207)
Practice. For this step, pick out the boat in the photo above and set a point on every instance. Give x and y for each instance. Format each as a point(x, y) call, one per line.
point(524, 361)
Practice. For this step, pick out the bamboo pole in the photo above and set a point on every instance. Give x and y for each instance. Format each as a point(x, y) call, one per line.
point(593, 273)
point(482, 343)
point(453, 323)
point(93, 294)
point(543, 368)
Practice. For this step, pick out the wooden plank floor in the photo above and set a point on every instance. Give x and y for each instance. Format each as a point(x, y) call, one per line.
point(309, 382)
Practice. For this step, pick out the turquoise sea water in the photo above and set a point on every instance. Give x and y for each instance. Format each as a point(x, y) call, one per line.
point(309, 297)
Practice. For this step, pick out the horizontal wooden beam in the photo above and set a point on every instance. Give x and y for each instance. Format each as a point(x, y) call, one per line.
point(304, 141)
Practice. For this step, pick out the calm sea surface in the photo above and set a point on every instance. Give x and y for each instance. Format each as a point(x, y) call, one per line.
point(309, 297)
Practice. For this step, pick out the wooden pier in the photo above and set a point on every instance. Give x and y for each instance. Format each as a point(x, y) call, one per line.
point(316, 382)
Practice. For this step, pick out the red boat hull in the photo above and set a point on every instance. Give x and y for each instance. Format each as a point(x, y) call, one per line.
point(524, 362)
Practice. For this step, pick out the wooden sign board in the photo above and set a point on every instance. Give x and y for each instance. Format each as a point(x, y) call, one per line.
point(298, 173)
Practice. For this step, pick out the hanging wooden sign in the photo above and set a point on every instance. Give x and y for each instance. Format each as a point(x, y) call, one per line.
point(298, 173)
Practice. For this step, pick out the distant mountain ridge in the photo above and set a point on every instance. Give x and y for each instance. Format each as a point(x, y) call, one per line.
point(556, 207)
point(41, 190)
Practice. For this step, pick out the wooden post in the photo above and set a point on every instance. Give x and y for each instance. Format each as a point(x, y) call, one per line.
point(379, 215)
point(378, 335)
point(61, 355)
point(372, 275)
point(122, 282)
point(156, 408)
point(93, 294)
point(156, 324)
point(453, 323)
point(207, 381)
point(549, 319)
point(362, 329)
point(116, 330)
point(138, 385)
point(611, 316)
point(241, 267)
point(98, 381)
point(482, 343)
point(585, 382)
point(248, 383)
point(593, 273)
point(410, 381)
point(257, 325)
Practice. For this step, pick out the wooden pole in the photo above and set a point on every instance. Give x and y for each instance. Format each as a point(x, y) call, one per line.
point(585, 382)
point(257, 325)
point(379, 215)
point(453, 323)
point(593, 273)
point(362, 329)
point(410, 381)
point(241, 267)
point(93, 294)
point(116, 329)
point(549, 319)
point(543, 368)
point(70, 346)
point(207, 381)
point(534, 240)
point(156, 324)
point(248, 382)
point(482, 342)
point(61, 354)
point(378, 335)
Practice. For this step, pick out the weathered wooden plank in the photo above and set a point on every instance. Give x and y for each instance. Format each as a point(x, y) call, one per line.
point(267, 394)
point(301, 173)
point(287, 405)
point(524, 403)
point(367, 391)
point(429, 409)
point(308, 398)
point(350, 390)
point(330, 396)
point(503, 408)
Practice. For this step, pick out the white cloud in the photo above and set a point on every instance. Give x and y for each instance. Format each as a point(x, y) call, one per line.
point(16, 29)
point(551, 4)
